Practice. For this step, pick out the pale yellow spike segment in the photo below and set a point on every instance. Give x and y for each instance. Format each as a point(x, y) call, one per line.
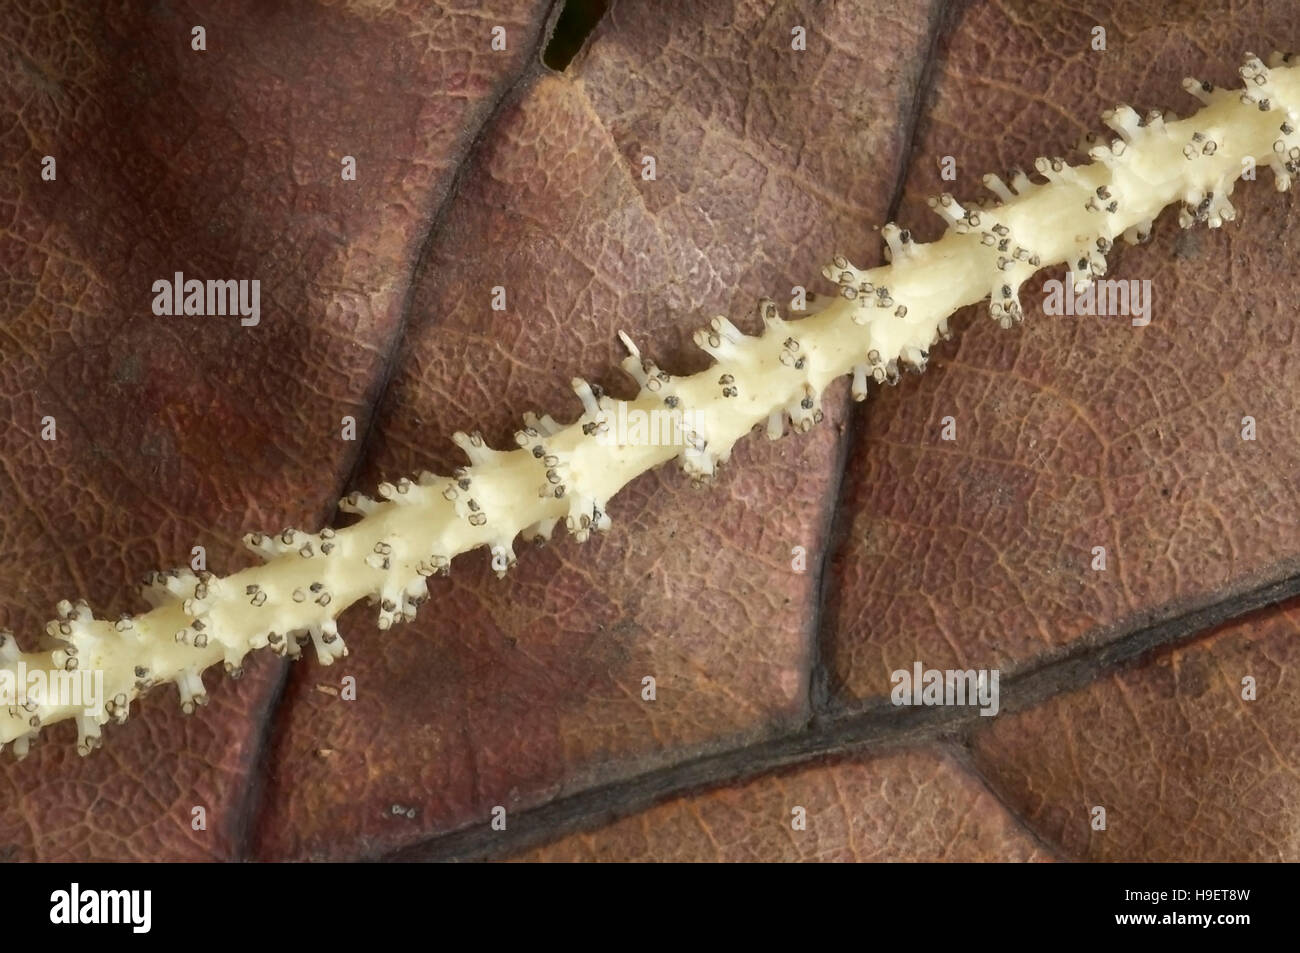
point(568, 473)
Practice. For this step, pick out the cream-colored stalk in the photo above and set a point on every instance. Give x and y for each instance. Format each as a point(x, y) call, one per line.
point(885, 318)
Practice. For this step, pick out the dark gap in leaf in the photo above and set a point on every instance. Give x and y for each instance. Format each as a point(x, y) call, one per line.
point(576, 21)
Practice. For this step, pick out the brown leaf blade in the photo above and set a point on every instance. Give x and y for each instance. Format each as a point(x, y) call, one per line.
point(183, 431)
point(508, 694)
